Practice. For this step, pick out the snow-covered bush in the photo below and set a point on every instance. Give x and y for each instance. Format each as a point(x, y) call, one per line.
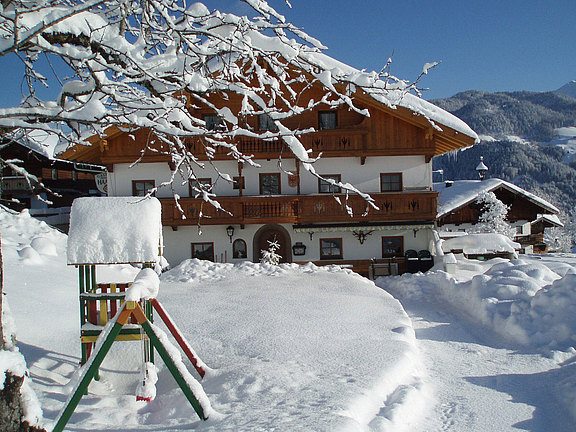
point(493, 216)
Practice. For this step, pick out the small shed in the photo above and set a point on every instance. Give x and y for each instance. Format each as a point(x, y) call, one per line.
point(104, 231)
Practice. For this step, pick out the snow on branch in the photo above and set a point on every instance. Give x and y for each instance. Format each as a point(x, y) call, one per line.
point(156, 64)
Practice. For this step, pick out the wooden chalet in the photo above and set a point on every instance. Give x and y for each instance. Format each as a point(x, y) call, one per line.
point(528, 213)
point(387, 154)
point(68, 180)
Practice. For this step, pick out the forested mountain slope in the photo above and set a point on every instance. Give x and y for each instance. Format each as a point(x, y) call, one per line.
point(530, 115)
point(531, 165)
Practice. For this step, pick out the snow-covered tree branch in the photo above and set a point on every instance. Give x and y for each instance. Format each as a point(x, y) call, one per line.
point(148, 64)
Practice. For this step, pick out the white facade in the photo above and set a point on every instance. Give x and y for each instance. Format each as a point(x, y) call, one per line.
point(363, 174)
point(416, 175)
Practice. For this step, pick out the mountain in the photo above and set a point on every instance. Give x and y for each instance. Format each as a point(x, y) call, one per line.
point(530, 115)
point(541, 162)
point(568, 89)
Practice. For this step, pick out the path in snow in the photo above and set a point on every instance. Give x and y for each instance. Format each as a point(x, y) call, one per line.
point(481, 388)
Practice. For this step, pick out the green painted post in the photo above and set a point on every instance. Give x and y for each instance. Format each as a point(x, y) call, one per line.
point(93, 279)
point(82, 387)
point(81, 284)
point(173, 370)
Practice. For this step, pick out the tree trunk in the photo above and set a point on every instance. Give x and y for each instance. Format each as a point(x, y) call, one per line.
point(1, 298)
point(11, 410)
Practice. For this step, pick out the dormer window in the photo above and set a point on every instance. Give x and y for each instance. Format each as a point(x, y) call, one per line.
point(327, 120)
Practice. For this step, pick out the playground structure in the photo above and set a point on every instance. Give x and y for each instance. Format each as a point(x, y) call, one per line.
point(123, 230)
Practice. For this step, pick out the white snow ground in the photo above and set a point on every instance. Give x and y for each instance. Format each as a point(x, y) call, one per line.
point(307, 349)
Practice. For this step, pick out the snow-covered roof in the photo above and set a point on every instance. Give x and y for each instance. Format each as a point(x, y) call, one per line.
point(463, 192)
point(383, 93)
point(549, 218)
point(481, 243)
point(113, 230)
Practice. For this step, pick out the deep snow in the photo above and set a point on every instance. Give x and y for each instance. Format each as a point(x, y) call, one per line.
point(305, 348)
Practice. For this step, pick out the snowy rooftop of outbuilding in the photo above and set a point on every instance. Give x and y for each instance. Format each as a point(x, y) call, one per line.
point(550, 218)
point(113, 230)
point(463, 192)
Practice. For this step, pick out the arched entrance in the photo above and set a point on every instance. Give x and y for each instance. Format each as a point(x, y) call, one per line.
point(273, 233)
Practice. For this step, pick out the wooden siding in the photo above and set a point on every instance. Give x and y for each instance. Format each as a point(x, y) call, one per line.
point(521, 208)
point(386, 132)
point(412, 206)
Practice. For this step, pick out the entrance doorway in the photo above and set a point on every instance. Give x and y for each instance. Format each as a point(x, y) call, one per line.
point(271, 233)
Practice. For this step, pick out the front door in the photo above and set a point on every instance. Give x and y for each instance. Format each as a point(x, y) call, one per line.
point(271, 235)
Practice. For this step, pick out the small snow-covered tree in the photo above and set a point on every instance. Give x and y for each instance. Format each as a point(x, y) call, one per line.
point(493, 216)
point(270, 256)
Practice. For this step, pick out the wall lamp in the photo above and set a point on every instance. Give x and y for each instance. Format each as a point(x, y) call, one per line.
point(230, 232)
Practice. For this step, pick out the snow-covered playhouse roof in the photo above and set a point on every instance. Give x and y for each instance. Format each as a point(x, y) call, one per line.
point(463, 192)
point(114, 230)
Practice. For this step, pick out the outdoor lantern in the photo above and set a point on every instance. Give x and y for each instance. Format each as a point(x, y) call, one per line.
point(299, 249)
point(482, 169)
point(230, 232)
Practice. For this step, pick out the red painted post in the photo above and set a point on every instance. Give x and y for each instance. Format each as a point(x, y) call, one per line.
point(178, 336)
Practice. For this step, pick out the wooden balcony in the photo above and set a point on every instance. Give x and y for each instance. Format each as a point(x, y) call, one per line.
point(15, 184)
point(300, 209)
point(330, 142)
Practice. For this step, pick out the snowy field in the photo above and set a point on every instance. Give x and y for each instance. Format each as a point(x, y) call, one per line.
point(315, 349)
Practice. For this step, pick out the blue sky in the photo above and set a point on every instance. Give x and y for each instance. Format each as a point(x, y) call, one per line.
point(488, 45)
point(502, 45)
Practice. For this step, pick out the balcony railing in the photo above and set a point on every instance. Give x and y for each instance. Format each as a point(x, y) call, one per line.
point(302, 209)
point(14, 184)
point(344, 140)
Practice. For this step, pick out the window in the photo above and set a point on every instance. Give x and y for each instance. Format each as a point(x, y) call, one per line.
point(326, 187)
point(194, 185)
point(331, 248)
point(142, 187)
point(203, 251)
point(238, 182)
point(270, 184)
point(327, 120)
point(265, 123)
point(213, 122)
point(239, 249)
point(392, 247)
point(391, 182)
point(54, 174)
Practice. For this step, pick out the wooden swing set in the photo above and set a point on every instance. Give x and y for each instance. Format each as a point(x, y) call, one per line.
point(105, 314)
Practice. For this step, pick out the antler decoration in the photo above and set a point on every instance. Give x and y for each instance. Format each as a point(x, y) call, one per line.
point(361, 235)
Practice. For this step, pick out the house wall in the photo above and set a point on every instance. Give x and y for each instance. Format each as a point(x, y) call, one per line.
point(522, 227)
point(177, 244)
point(416, 173)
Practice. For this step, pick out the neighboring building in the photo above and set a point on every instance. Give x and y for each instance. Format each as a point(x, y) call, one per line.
point(388, 155)
point(528, 213)
point(69, 180)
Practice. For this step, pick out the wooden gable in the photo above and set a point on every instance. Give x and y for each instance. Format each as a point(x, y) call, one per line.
point(521, 208)
point(385, 132)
